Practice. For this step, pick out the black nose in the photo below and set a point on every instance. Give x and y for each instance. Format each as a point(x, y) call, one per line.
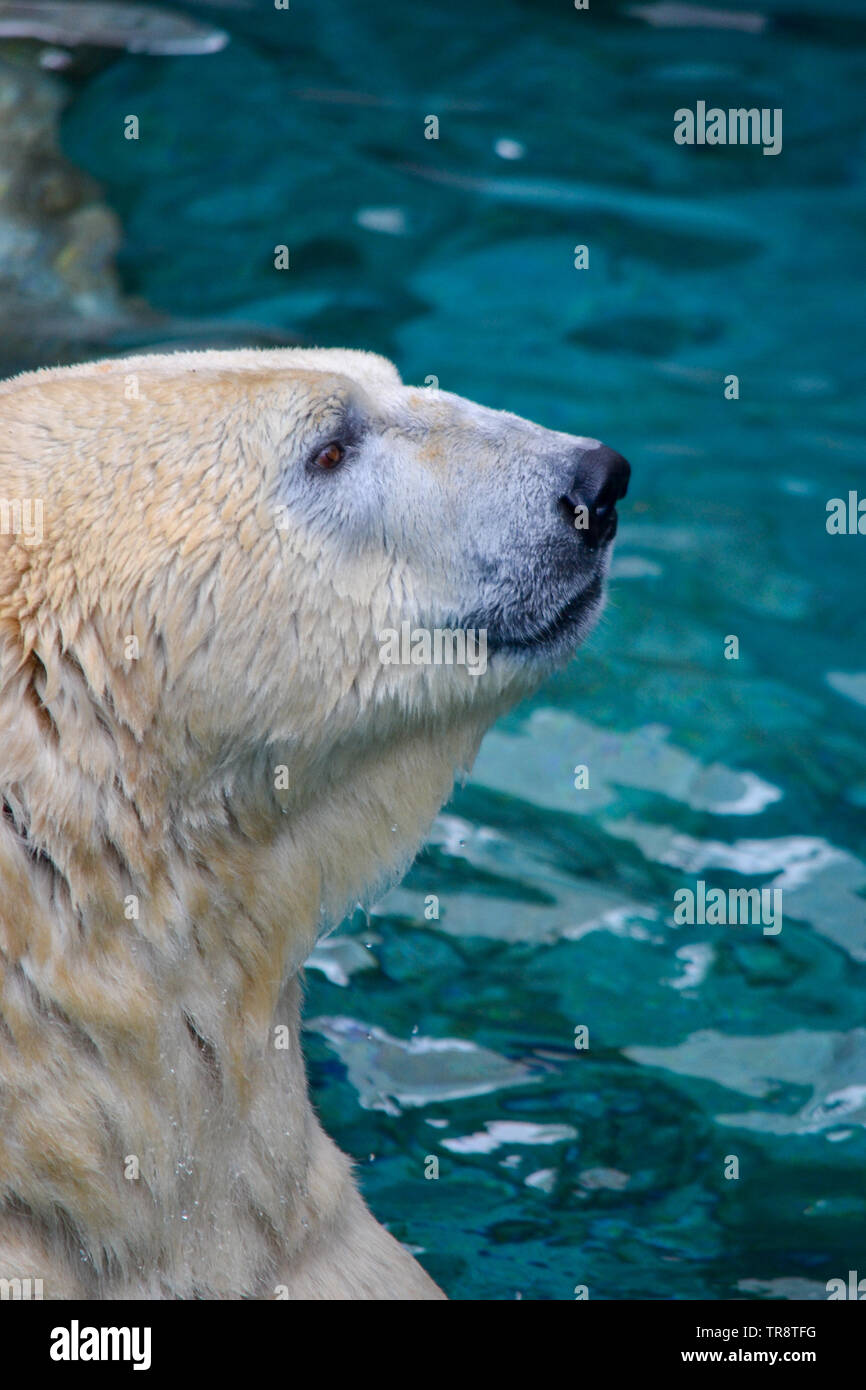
point(589, 505)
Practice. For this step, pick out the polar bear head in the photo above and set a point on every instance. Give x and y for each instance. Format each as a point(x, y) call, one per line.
point(230, 614)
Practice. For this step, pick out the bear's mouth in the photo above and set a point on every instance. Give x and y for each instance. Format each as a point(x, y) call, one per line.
point(565, 626)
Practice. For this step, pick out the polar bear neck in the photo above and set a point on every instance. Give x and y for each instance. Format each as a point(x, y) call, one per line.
point(151, 951)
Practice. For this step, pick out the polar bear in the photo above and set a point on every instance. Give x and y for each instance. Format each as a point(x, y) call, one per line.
point(205, 760)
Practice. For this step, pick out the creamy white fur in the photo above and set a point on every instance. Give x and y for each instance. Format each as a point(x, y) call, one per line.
point(180, 510)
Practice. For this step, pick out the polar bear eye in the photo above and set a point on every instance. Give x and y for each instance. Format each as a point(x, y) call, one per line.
point(330, 457)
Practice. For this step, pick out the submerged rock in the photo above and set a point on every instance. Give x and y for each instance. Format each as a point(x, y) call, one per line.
point(60, 296)
point(57, 237)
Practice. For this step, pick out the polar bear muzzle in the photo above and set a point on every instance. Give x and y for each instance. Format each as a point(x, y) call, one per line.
point(545, 592)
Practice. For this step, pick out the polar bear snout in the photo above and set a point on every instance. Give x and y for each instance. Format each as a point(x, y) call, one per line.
point(600, 481)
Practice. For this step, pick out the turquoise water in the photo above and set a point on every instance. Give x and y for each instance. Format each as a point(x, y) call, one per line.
point(602, 1167)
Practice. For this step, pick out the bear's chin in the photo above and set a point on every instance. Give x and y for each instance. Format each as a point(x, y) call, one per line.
point(552, 640)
